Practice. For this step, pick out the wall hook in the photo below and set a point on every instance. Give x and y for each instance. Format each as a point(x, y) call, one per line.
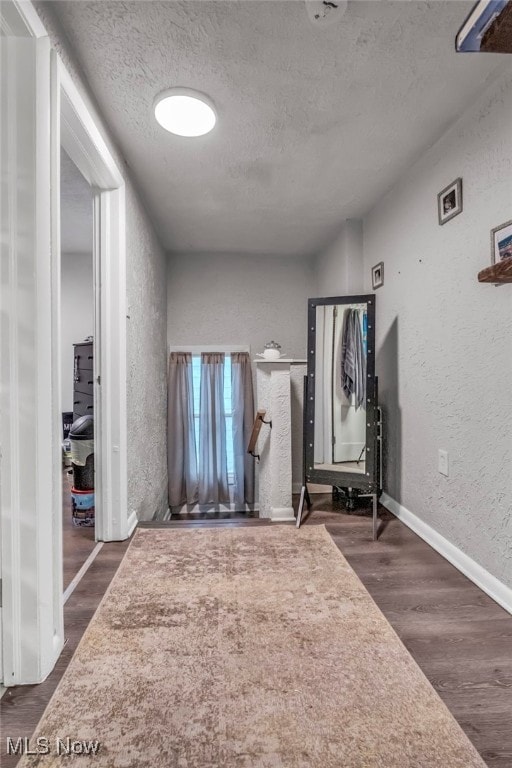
point(258, 421)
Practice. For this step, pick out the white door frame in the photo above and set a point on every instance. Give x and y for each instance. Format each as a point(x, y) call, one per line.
point(30, 468)
point(84, 144)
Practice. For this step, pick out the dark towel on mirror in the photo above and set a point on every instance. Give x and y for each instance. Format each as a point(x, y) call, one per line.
point(353, 359)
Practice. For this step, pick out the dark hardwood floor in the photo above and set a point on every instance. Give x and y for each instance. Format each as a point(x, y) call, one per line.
point(21, 707)
point(460, 638)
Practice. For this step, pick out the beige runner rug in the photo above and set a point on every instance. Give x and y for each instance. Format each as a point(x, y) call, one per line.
point(241, 648)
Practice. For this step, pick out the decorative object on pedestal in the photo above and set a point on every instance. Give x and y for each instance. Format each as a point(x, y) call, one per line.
point(272, 351)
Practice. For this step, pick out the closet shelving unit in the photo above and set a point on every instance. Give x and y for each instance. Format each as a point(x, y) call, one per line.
point(497, 273)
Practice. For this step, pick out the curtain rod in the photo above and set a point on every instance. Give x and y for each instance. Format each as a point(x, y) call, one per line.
point(198, 348)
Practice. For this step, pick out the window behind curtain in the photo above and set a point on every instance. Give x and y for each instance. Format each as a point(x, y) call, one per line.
point(196, 376)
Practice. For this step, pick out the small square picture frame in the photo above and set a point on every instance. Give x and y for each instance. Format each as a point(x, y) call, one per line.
point(449, 201)
point(501, 242)
point(378, 275)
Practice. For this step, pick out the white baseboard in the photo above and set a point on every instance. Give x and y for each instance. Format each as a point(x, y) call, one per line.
point(81, 573)
point(281, 514)
point(488, 583)
point(132, 523)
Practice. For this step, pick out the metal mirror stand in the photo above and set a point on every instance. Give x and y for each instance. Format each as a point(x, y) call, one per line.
point(342, 420)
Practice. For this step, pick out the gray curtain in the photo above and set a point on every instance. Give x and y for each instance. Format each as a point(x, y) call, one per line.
point(213, 469)
point(182, 461)
point(243, 418)
point(353, 359)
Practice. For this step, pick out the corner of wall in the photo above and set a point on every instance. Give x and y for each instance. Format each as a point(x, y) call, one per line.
point(339, 266)
point(440, 333)
point(146, 307)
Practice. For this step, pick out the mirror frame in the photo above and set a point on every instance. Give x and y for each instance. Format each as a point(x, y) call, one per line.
point(369, 481)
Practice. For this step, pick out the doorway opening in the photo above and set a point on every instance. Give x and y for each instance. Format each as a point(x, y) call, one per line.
point(77, 332)
point(43, 96)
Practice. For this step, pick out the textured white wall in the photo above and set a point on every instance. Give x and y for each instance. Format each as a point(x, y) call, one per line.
point(146, 267)
point(146, 275)
point(232, 299)
point(339, 268)
point(77, 313)
point(275, 471)
point(445, 341)
point(229, 299)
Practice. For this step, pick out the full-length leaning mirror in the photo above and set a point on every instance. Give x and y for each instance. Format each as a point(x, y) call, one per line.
point(341, 447)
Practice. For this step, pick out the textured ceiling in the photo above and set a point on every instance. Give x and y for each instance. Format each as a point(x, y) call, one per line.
point(314, 124)
point(76, 229)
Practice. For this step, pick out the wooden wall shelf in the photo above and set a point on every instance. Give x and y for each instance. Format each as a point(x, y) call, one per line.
point(497, 273)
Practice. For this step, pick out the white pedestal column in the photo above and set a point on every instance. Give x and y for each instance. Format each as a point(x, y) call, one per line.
point(275, 445)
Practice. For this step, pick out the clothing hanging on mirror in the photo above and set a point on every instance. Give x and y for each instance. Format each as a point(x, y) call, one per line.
point(353, 358)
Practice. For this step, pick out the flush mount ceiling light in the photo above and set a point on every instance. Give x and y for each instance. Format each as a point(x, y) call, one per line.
point(185, 112)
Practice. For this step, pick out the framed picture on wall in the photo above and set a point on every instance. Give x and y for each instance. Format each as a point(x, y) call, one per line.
point(501, 242)
point(449, 201)
point(378, 275)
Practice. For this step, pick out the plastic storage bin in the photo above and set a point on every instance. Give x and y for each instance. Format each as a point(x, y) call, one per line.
point(82, 505)
point(81, 437)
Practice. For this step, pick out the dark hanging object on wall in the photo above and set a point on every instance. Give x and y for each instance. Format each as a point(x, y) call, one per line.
point(498, 38)
point(488, 28)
